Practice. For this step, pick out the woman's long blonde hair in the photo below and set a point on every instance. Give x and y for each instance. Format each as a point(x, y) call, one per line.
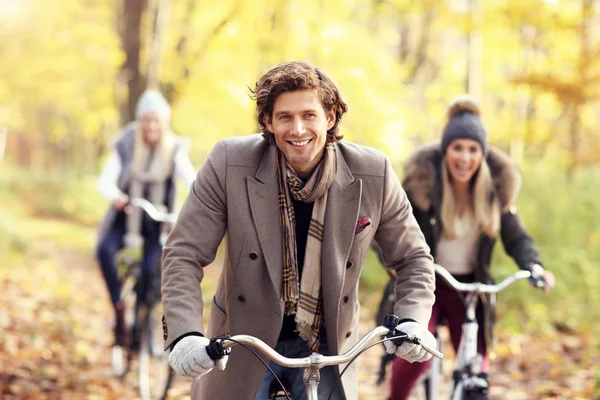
point(142, 153)
point(485, 210)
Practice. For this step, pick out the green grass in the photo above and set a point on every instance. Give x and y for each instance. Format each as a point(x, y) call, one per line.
point(46, 206)
point(51, 194)
point(62, 232)
point(563, 218)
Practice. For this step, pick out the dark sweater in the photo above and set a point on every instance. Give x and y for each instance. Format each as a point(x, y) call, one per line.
point(303, 214)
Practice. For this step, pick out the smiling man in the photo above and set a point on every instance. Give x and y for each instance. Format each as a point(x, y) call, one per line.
point(297, 209)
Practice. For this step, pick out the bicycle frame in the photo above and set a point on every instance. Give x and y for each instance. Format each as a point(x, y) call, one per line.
point(144, 316)
point(468, 362)
point(313, 363)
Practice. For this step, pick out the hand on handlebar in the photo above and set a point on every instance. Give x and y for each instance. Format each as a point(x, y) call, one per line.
point(409, 350)
point(189, 357)
point(121, 202)
point(541, 278)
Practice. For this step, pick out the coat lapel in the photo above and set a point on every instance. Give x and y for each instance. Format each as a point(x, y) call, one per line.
point(343, 204)
point(263, 194)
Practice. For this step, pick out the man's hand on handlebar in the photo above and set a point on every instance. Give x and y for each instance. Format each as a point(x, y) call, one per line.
point(189, 357)
point(411, 350)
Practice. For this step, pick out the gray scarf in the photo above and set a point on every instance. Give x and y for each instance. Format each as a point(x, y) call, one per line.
point(150, 170)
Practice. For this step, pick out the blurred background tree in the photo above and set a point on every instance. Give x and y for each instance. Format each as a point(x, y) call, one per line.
point(71, 72)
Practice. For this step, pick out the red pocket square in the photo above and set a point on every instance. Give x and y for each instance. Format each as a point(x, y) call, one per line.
point(362, 224)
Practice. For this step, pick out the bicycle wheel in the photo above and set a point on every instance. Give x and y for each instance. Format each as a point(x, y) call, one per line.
point(475, 395)
point(458, 392)
point(462, 393)
point(121, 355)
point(155, 373)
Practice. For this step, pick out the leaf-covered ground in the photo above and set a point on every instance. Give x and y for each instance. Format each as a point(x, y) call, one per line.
point(55, 338)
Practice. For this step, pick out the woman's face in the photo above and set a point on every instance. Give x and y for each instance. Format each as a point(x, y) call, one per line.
point(463, 158)
point(152, 128)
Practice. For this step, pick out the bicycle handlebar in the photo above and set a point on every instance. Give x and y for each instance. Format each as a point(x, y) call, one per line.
point(221, 346)
point(482, 287)
point(152, 211)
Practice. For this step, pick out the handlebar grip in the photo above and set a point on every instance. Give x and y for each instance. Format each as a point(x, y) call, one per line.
point(537, 282)
point(433, 352)
point(215, 350)
point(412, 339)
point(400, 337)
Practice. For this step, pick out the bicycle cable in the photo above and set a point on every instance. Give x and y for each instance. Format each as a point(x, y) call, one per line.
point(339, 378)
point(250, 349)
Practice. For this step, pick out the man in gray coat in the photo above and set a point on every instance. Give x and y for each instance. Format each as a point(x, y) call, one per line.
point(297, 209)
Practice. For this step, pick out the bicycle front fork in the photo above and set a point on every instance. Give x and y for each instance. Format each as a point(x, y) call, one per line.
point(467, 357)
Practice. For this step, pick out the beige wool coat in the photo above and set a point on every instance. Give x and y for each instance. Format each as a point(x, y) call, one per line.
point(235, 199)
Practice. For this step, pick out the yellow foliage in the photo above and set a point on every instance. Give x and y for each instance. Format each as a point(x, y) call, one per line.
point(397, 62)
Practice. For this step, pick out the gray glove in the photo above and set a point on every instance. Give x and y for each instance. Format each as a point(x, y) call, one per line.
point(409, 351)
point(189, 357)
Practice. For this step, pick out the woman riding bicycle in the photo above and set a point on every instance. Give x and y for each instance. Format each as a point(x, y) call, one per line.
point(145, 158)
point(463, 194)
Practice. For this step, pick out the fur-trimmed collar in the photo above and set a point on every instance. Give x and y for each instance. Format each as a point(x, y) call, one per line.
point(420, 175)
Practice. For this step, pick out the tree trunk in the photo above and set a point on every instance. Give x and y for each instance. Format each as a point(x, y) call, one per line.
point(130, 32)
point(161, 14)
point(585, 60)
point(574, 140)
point(474, 49)
point(3, 139)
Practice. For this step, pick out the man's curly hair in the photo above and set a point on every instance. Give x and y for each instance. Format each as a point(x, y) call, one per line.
point(292, 76)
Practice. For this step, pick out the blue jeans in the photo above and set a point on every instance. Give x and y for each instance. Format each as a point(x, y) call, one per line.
point(112, 242)
point(294, 348)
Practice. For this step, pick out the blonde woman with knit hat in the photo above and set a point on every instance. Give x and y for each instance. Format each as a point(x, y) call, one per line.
point(145, 159)
point(463, 193)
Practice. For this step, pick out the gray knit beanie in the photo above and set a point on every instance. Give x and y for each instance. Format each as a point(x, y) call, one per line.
point(152, 100)
point(464, 122)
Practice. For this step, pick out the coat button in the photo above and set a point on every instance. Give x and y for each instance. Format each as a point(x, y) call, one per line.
point(242, 298)
point(345, 299)
point(432, 221)
point(253, 255)
point(349, 265)
point(348, 334)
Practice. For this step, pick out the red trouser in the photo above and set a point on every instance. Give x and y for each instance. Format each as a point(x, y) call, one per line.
point(450, 307)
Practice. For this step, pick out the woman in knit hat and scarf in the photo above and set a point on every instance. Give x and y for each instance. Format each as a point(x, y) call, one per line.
point(463, 194)
point(144, 161)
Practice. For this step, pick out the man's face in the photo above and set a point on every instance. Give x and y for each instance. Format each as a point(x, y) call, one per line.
point(152, 128)
point(300, 124)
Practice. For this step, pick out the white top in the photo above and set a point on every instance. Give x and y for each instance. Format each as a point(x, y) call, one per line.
point(458, 255)
point(107, 183)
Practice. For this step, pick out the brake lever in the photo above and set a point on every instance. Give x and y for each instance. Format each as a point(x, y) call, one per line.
point(390, 321)
point(215, 348)
point(399, 337)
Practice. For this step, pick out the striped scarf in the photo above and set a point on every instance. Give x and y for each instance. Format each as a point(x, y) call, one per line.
point(304, 299)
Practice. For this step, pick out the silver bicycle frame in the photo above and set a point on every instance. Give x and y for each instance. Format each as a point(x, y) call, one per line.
point(117, 351)
point(152, 211)
point(315, 361)
point(467, 349)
